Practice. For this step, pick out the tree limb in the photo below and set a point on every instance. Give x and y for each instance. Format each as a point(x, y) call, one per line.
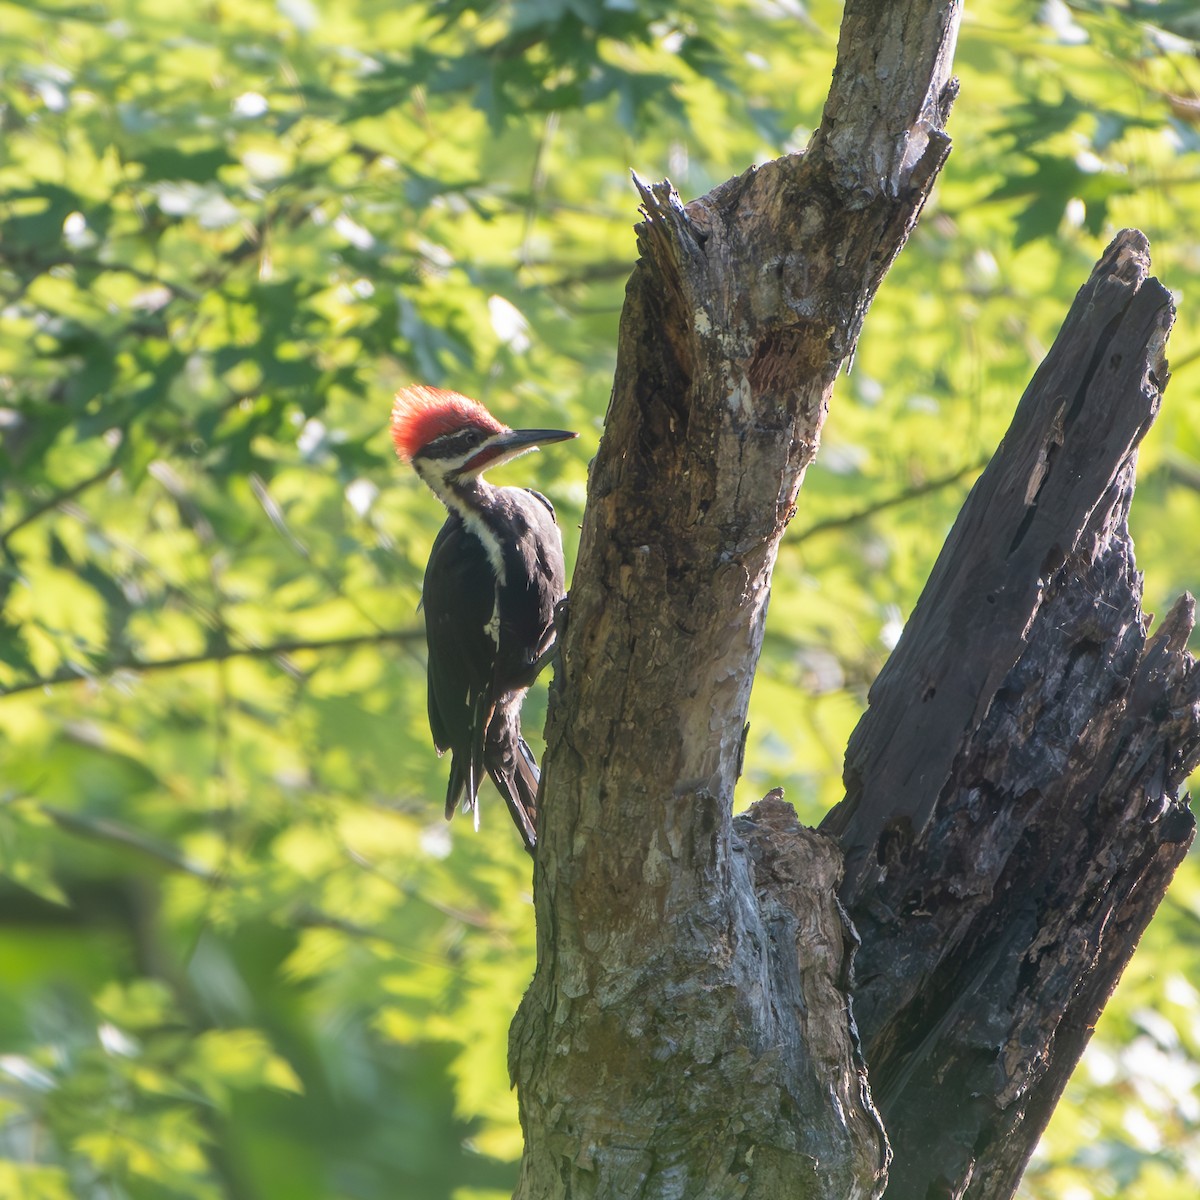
point(141, 666)
point(846, 520)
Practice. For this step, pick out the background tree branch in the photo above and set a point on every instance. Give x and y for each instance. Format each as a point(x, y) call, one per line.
point(214, 654)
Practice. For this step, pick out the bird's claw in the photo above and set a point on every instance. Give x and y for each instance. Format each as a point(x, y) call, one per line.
point(562, 611)
point(548, 655)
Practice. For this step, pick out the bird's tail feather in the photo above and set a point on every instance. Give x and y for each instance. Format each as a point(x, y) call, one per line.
point(514, 771)
point(466, 770)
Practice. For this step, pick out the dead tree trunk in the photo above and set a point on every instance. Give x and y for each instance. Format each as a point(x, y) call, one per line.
point(687, 1032)
point(1012, 817)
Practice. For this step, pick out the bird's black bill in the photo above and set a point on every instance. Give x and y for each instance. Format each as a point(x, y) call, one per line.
point(519, 439)
point(513, 442)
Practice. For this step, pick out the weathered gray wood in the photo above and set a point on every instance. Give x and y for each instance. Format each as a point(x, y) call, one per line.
point(1012, 815)
point(663, 1050)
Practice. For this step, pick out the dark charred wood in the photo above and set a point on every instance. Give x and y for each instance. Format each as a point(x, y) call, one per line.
point(1012, 816)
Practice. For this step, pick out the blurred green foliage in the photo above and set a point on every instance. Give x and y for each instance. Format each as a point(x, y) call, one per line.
point(241, 956)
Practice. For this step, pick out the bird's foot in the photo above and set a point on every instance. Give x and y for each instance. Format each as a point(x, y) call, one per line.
point(561, 609)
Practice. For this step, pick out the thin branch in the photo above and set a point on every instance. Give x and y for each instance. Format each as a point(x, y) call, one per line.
point(588, 272)
point(846, 520)
point(406, 889)
point(42, 263)
point(105, 472)
point(112, 833)
point(216, 654)
point(537, 183)
point(101, 829)
point(1185, 360)
point(52, 502)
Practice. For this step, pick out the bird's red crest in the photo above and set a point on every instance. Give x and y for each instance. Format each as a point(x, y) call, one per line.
point(422, 413)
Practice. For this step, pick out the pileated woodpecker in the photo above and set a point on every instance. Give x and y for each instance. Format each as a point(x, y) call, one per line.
point(494, 577)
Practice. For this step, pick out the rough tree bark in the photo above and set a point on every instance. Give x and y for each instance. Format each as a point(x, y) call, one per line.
point(666, 1045)
point(687, 1032)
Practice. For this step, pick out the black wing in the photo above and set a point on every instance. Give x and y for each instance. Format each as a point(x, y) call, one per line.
point(459, 598)
point(534, 585)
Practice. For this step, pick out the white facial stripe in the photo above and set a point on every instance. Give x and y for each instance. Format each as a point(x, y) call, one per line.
point(498, 461)
point(432, 469)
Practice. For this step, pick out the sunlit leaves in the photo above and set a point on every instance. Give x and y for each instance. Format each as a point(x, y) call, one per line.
point(130, 1092)
point(241, 951)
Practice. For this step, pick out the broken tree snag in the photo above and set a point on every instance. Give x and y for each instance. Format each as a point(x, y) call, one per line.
point(659, 1050)
point(796, 873)
point(1012, 814)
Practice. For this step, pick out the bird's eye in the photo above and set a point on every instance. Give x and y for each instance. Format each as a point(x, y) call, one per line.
point(457, 442)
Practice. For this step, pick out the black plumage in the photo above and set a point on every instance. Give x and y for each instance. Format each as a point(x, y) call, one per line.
point(488, 632)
